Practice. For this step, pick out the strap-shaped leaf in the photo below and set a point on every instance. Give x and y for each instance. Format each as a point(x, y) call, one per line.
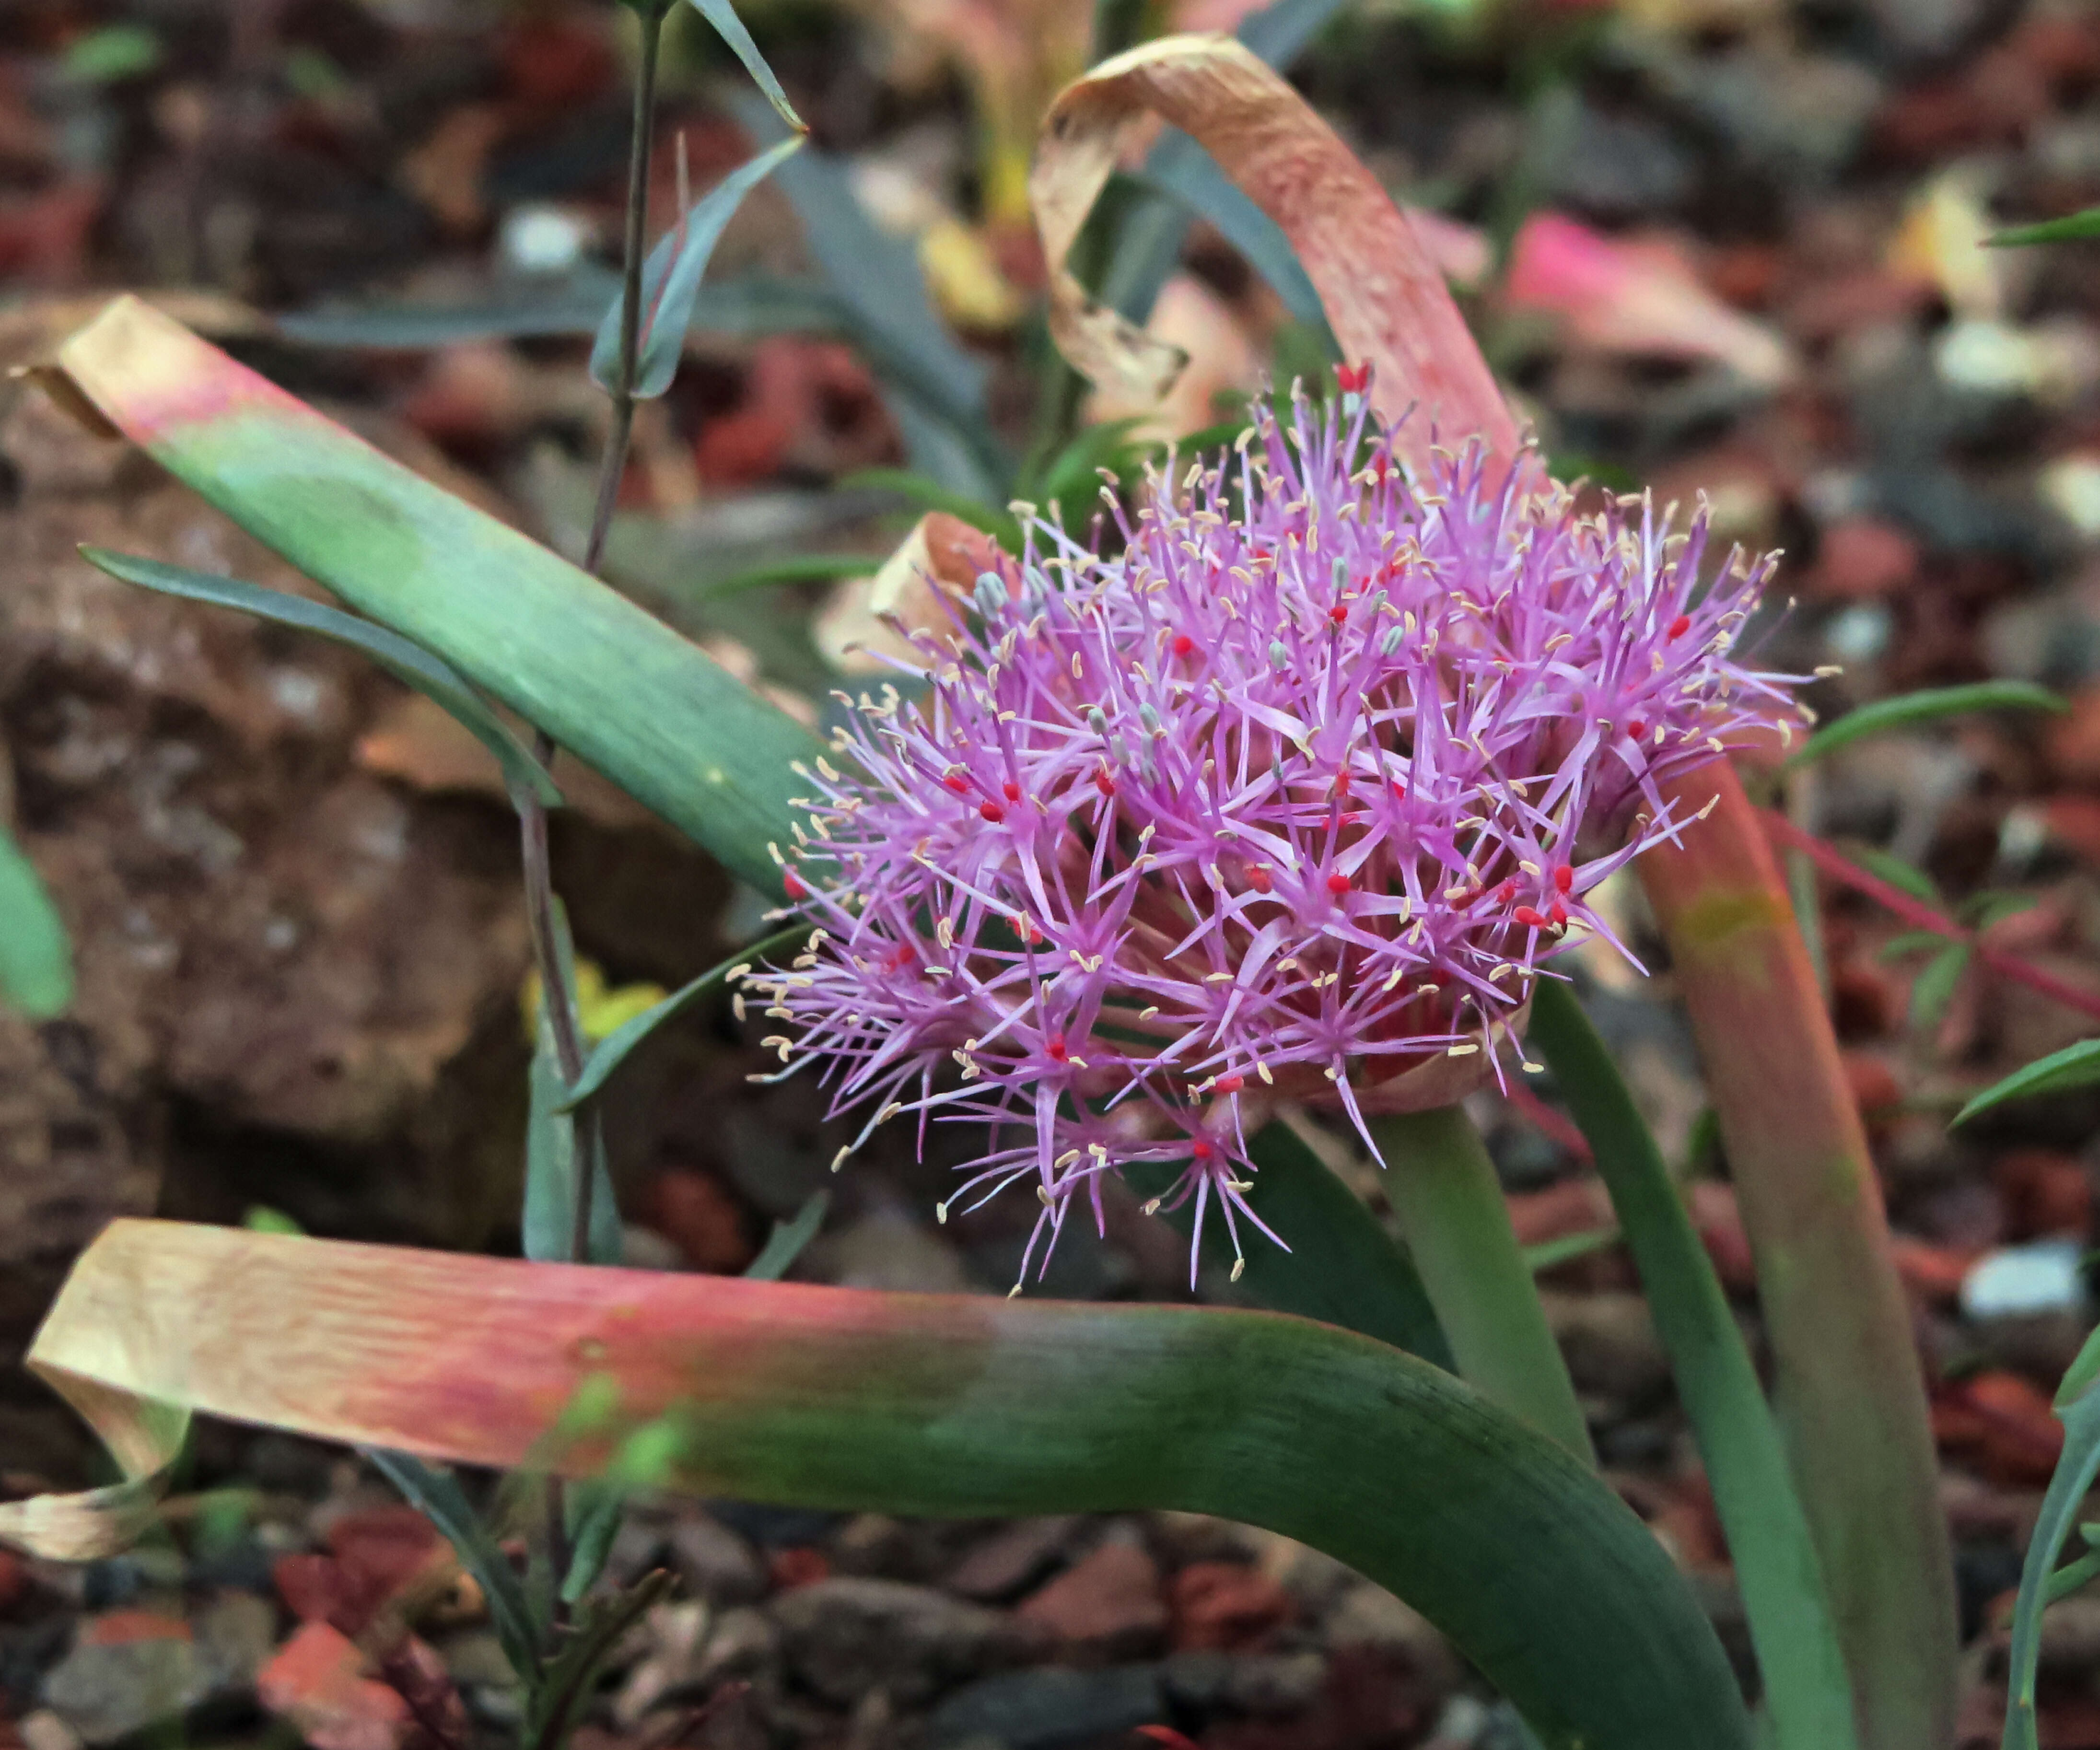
point(2078, 1409)
point(788, 1239)
point(730, 28)
point(670, 277)
point(36, 960)
point(407, 663)
point(616, 687)
point(2072, 228)
point(1923, 706)
point(2075, 1066)
point(935, 1404)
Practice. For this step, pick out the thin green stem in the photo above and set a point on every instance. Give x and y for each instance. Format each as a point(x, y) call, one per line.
point(1443, 1187)
point(1807, 1694)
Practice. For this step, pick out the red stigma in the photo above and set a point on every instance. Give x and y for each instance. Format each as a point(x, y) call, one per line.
point(1680, 625)
point(1229, 1084)
point(1530, 919)
point(1564, 880)
point(992, 812)
point(1559, 916)
point(1353, 379)
point(797, 887)
point(1636, 728)
point(1338, 883)
point(1381, 468)
point(1352, 819)
point(1102, 782)
point(957, 782)
point(1399, 791)
point(1201, 1150)
point(1505, 892)
point(1257, 877)
point(1183, 644)
point(1339, 614)
point(1012, 791)
point(1055, 1046)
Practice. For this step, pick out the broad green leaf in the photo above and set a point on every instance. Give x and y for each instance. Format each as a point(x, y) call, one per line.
point(2079, 1411)
point(610, 683)
point(1884, 714)
point(730, 28)
point(951, 1405)
point(613, 1050)
point(1933, 989)
point(2072, 228)
point(670, 277)
point(787, 1241)
point(557, 1143)
point(36, 959)
point(407, 663)
point(436, 1493)
point(1549, 1254)
point(2075, 1066)
point(1808, 1695)
point(1343, 1267)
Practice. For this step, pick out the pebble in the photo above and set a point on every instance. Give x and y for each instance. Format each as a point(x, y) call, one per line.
point(715, 1564)
point(1109, 1605)
point(744, 1643)
point(1007, 1560)
point(845, 1637)
point(1609, 1340)
point(1367, 1615)
point(1047, 1708)
point(1226, 1605)
point(2015, 1281)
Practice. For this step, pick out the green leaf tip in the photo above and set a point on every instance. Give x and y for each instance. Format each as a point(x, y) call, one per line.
point(36, 959)
point(2075, 1066)
point(1923, 707)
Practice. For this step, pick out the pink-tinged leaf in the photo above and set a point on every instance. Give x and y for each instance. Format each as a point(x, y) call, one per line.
point(925, 1403)
point(1636, 297)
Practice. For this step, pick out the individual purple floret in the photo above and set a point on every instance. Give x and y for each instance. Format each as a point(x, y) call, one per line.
point(1287, 799)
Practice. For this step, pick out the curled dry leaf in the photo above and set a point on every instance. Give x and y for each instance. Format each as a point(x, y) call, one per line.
point(868, 619)
point(1196, 323)
point(1384, 294)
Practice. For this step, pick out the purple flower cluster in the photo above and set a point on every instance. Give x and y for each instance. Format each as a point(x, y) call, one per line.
point(1287, 798)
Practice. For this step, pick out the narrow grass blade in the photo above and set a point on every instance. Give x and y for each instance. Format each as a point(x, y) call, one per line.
point(730, 28)
point(1885, 714)
point(614, 1049)
point(670, 277)
point(618, 688)
point(957, 1405)
point(407, 663)
point(1807, 1694)
point(2075, 1066)
point(1191, 177)
point(436, 1493)
point(555, 1145)
point(787, 1241)
point(36, 959)
point(2078, 1409)
point(1933, 989)
point(2072, 228)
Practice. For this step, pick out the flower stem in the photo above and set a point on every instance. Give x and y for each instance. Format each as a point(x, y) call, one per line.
point(1443, 1187)
point(1807, 1694)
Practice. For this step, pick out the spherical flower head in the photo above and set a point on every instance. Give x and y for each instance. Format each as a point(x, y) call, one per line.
point(1286, 795)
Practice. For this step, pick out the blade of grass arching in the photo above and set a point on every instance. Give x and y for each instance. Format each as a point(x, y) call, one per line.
point(407, 663)
point(788, 1239)
point(2078, 1409)
point(731, 28)
point(1443, 1188)
point(557, 1145)
point(1849, 1391)
point(1807, 1695)
point(617, 688)
point(1343, 1267)
point(1927, 706)
point(2075, 1066)
point(928, 1404)
point(36, 958)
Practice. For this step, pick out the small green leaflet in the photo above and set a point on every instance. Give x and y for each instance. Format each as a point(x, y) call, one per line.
point(787, 1239)
point(1921, 708)
point(612, 1051)
point(407, 661)
point(2075, 1066)
point(36, 961)
point(671, 277)
point(730, 28)
point(1892, 869)
point(1933, 989)
point(2072, 228)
